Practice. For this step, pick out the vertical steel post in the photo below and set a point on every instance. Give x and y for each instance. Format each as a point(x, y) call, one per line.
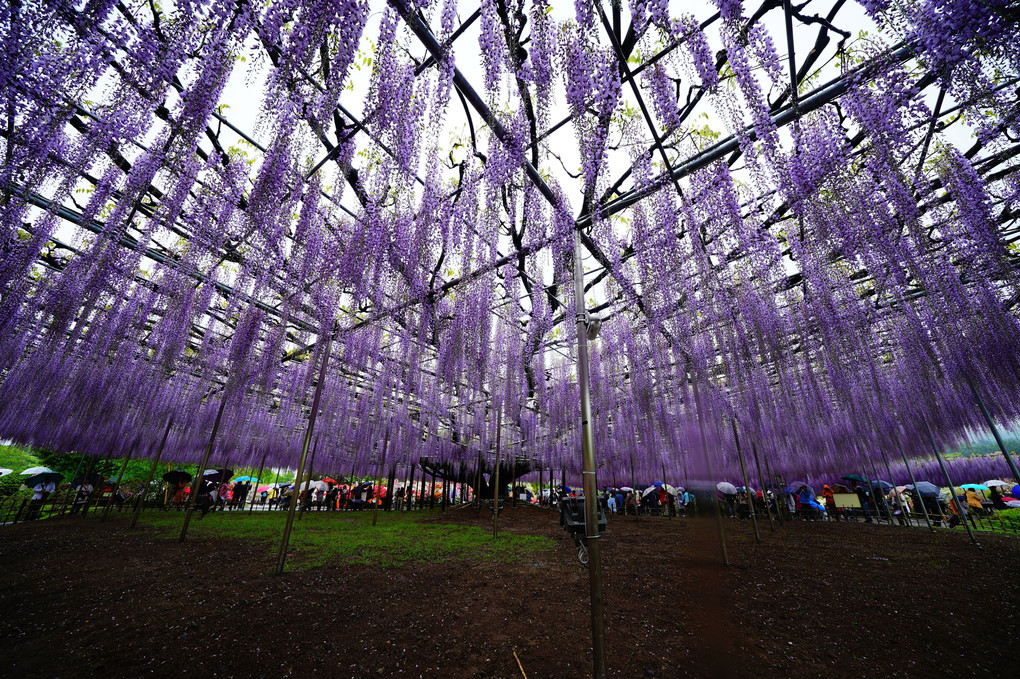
point(197, 482)
point(711, 470)
point(761, 480)
point(97, 492)
point(152, 472)
point(747, 487)
point(913, 481)
point(120, 479)
point(945, 472)
point(382, 463)
point(899, 496)
point(281, 562)
point(308, 480)
point(995, 431)
point(258, 480)
point(63, 505)
point(495, 477)
point(598, 623)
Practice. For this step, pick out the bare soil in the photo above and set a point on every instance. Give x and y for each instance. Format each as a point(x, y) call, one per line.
point(79, 599)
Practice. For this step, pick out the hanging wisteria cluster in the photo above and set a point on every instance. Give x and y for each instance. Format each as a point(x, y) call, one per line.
point(802, 250)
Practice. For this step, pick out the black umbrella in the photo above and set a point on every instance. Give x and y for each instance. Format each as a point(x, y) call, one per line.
point(884, 485)
point(43, 478)
point(854, 477)
point(92, 479)
point(176, 476)
point(925, 489)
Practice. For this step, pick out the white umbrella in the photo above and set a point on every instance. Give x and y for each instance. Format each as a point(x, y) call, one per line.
point(32, 471)
point(670, 489)
point(649, 490)
point(726, 488)
point(995, 482)
point(627, 489)
point(317, 485)
point(4, 471)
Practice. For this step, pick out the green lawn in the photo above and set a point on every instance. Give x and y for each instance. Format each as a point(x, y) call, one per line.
point(350, 537)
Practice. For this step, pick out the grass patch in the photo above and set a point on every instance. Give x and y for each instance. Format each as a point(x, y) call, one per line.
point(350, 537)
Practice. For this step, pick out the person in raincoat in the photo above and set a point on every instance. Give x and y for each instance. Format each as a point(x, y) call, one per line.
point(974, 502)
point(808, 502)
point(830, 502)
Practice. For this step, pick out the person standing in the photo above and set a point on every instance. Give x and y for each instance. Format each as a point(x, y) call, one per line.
point(40, 492)
point(830, 502)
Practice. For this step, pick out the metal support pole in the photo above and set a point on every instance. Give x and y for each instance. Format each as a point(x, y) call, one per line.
point(478, 486)
point(945, 472)
point(152, 472)
point(780, 496)
point(63, 505)
point(747, 487)
point(589, 481)
point(382, 462)
point(324, 361)
point(409, 490)
point(761, 480)
point(120, 478)
point(995, 431)
point(495, 478)
point(97, 492)
point(899, 496)
point(197, 482)
point(711, 471)
point(258, 480)
point(913, 481)
point(308, 480)
point(874, 479)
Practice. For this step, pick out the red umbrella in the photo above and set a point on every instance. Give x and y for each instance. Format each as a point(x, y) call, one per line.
point(329, 480)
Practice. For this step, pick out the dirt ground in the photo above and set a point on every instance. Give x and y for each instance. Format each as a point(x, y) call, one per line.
point(79, 598)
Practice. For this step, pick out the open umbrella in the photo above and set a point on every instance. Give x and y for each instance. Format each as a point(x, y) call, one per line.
point(218, 475)
point(242, 479)
point(317, 485)
point(43, 478)
point(627, 489)
point(854, 477)
point(32, 471)
point(91, 478)
point(726, 488)
point(648, 491)
point(974, 486)
point(744, 489)
point(671, 490)
point(330, 479)
point(884, 485)
point(996, 483)
point(262, 489)
point(795, 487)
point(176, 476)
point(4, 471)
point(925, 489)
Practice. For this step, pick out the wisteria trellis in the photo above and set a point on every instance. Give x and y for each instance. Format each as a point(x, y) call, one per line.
point(827, 269)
